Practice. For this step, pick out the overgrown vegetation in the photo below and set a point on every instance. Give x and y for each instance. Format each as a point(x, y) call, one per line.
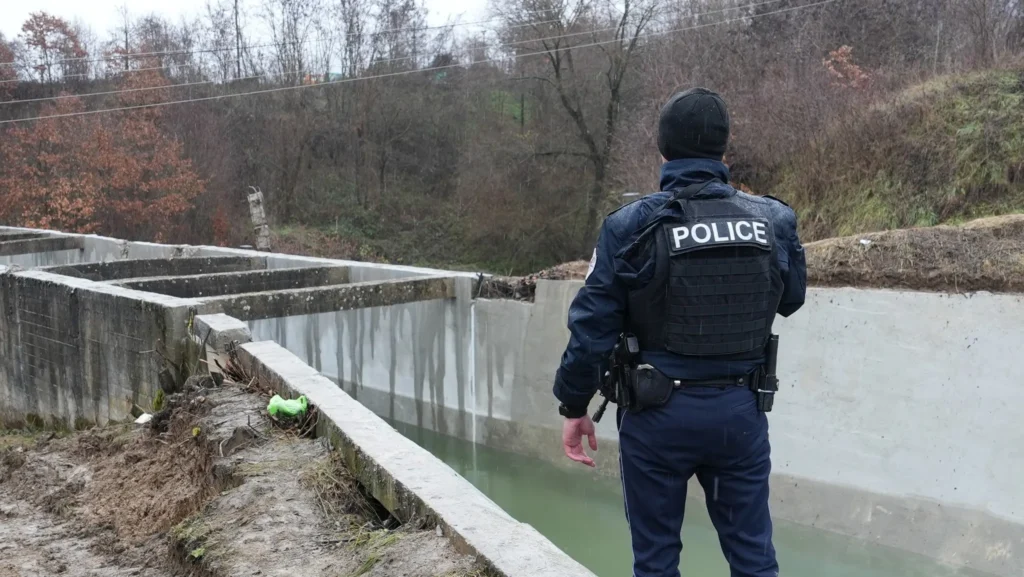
point(375, 137)
point(947, 152)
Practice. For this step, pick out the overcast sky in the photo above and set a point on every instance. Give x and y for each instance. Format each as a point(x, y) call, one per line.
point(102, 15)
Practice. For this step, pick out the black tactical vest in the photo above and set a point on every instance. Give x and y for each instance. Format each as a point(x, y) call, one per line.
point(716, 284)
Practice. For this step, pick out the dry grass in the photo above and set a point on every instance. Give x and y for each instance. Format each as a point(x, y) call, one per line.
point(985, 254)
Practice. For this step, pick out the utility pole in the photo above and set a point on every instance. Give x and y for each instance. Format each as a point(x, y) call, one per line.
point(522, 111)
point(238, 45)
point(127, 47)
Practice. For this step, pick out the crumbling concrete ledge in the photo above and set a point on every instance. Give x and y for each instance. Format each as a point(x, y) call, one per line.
point(405, 478)
point(308, 301)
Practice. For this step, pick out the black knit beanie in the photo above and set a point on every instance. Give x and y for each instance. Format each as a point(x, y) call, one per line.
point(693, 124)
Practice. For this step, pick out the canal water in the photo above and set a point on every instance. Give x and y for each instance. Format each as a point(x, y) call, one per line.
point(584, 517)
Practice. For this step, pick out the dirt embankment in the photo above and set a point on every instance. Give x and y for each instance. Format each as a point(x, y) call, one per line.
point(525, 287)
point(211, 489)
point(983, 255)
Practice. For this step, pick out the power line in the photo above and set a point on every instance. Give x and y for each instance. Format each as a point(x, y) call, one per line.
point(400, 58)
point(304, 42)
point(195, 64)
point(121, 57)
point(404, 72)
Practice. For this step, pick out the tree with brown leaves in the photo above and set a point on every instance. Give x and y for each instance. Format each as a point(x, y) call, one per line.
point(118, 174)
point(52, 47)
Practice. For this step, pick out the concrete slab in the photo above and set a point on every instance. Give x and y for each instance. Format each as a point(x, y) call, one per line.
point(333, 298)
point(45, 244)
point(229, 283)
point(406, 479)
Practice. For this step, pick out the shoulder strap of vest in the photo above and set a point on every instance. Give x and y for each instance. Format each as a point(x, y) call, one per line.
point(682, 196)
point(689, 191)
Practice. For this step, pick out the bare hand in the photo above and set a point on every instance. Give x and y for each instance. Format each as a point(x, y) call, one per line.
point(573, 431)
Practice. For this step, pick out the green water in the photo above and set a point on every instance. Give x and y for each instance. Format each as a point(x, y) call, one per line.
point(584, 516)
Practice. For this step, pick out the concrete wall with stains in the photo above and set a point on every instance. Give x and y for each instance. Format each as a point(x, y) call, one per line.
point(896, 420)
point(407, 362)
point(894, 423)
point(77, 353)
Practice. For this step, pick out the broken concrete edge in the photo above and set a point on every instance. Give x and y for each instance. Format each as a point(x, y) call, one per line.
point(409, 481)
point(313, 300)
point(220, 330)
point(43, 244)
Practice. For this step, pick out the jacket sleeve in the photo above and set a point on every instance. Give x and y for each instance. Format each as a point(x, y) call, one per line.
point(793, 263)
point(596, 319)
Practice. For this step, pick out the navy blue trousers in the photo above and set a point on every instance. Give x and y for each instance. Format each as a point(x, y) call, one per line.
point(720, 436)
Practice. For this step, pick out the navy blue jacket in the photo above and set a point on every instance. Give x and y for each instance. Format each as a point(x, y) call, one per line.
point(597, 314)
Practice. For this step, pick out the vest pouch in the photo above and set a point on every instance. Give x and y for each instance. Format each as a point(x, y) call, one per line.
point(650, 389)
point(634, 265)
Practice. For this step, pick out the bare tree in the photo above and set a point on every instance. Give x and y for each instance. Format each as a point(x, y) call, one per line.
point(568, 32)
point(292, 25)
point(991, 25)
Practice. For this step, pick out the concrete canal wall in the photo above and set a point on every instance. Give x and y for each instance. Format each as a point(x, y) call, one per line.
point(895, 422)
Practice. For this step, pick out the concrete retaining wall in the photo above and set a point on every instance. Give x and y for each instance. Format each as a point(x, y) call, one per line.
point(891, 425)
point(894, 423)
point(76, 352)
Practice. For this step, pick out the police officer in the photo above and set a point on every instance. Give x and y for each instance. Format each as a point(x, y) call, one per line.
point(697, 272)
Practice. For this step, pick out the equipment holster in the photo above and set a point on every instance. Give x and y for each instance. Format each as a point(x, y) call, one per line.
point(636, 387)
point(649, 389)
point(766, 384)
point(615, 383)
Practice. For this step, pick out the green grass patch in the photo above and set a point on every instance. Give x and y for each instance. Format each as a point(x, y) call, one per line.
point(941, 153)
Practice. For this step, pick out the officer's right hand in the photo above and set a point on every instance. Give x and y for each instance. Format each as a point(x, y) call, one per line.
point(573, 431)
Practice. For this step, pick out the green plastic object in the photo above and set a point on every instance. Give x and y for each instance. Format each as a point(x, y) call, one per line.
point(287, 408)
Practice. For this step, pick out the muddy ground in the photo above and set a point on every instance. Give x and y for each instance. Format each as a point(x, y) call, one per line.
point(211, 489)
point(982, 255)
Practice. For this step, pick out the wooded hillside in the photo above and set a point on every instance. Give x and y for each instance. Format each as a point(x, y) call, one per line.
point(500, 145)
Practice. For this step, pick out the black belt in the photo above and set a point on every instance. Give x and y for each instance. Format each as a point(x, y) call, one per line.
point(722, 383)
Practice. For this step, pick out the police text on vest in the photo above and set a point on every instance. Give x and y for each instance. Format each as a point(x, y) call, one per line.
point(720, 231)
